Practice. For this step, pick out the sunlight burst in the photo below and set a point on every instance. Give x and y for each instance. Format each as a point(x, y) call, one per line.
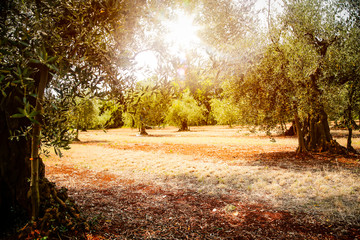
point(182, 31)
point(180, 37)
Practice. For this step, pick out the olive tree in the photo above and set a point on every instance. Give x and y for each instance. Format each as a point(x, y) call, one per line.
point(45, 44)
point(146, 106)
point(184, 112)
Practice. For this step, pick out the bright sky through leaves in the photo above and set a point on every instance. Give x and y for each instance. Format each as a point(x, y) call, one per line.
point(181, 36)
point(182, 32)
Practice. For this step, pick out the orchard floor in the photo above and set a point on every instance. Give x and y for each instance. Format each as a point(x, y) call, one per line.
point(209, 183)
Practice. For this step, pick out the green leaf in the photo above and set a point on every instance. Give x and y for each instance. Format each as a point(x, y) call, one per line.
point(33, 114)
point(22, 111)
point(34, 61)
point(17, 115)
point(24, 43)
point(34, 121)
point(52, 67)
point(52, 59)
point(54, 106)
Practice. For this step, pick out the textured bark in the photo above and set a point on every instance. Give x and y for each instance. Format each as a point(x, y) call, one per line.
point(142, 130)
point(184, 126)
point(301, 148)
point(349, 121)
point(35, 143)
point(14, 162)
point(318, 137)
point(14, 170)
point(348, 145)
point(292, 130)
point(316, 128)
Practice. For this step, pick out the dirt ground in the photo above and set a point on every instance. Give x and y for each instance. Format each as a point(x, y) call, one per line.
point(209, 183)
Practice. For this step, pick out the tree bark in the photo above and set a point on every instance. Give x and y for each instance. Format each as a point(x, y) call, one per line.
point(319, 132)
point(15, 167)
point(301, 148)
point(349, 121)
point(35, 143)
point(142, 130)
point(348, 145)
point(184, 126)
point(291, 131)
point(318, 137)
point(14, 170)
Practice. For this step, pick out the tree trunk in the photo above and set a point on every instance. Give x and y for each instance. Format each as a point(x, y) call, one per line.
point(301, 148)
point(184, 126)
point(77, 127)
point(15, 169)
point(348, 145)
point(291, 131)
point(349, 124)
point(35, 143)
point(318, 137)
point(142, 130)
point(349, 121)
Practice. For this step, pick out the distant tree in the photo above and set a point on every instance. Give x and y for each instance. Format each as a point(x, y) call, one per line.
point(185, 112)
point(225, 111)
point(203, 86)
point(146, 106)
point(264, 93)
point(87, 114)
point(115, 109)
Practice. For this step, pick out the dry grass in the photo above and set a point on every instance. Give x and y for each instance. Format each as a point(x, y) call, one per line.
point(330, 193)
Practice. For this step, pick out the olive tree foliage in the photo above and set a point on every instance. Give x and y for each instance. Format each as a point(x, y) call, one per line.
point(316, 29)
point(199, 79)
point(225, 111)
point(288, 79)
point(230, 34)
point(343, 69)
point(185, 111)
point(61, 45)
point(147, 105)
point(90, 113)
point(264, 94)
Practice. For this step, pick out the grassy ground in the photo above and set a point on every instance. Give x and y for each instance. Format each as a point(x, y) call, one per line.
point(250, 168)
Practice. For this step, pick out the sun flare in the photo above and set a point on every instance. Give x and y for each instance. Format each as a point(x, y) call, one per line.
point(179, 37)
point(182, 31)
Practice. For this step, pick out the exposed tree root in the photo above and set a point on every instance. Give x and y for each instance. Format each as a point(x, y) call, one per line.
point(334, 147)
point(59, 216)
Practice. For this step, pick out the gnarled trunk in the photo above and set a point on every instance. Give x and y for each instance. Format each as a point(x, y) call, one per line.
point(14, 171)
point(318, 137)
point(142, 130)
point(349, 121)
point(302, 147)
point(14, 163)
point(184, 126)
point(319, 132)
point(316, 128)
